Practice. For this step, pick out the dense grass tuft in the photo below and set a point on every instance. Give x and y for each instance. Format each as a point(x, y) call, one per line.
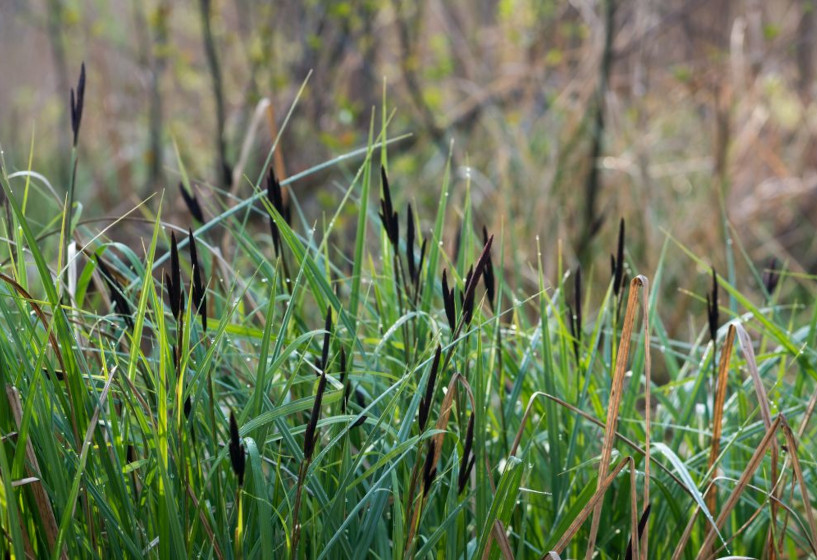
point(216, 421)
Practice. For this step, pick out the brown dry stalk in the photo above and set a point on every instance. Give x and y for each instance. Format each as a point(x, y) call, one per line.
point(717, 419)
point(498, 533)
point(743, 481)
point(763, 400)
point(33, 469)
point(615, 401)
point(798, 473)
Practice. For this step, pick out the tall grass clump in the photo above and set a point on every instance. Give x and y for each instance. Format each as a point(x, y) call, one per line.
point(187, 404)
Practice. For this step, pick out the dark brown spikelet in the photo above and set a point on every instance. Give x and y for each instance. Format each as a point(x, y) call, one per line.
point(642, 524)
point(618, 261)
point(423, 248)
point(309, 435)
point(448, 303)
point(771, 276)
point(488, 275)
point(712, 307)
point(387, 214)
point(276, 198)
point(199, 293)
point(473, 280)
point(77, 103)
point(429, 468)
point(174, 287)
point(467, 462)
point(426, 401)
point(192, 202)
point(116, 291)
point(236, 451)
point(412, 265)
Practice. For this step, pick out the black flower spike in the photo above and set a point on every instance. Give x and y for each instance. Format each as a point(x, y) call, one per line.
point(199, 293)
point(116, 291)
point(276, 198)
point(448, 302)
point(174, 287)
point(467, 462)
point(423, 247)
point(771, 276)
point(488, 279)
point(192, 202)
point(473, 280)
point(236, 451)
point(425, 402)
point(412, 268)
point(642, 524)
point(468, 276)
point(712, 307)
point(618, 261)
point(309, 435)
point(77, 102)
point(429, 469)
point(387, 214)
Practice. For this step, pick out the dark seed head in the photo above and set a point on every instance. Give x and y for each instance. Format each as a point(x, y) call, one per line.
point(712, 307)
point(309, 435)
point(412, 266)
point(422, 259)
point(473, 279)
point(467, 461)
point(236, 451)
point(771, 276)
point(387, 214)
point(429, 469)
point(276, 198)
point(425, 402)
point(116, 291)
point(199, 293)
point(192, 202)
point(618, 272)
point(175, 281)
point(488, 275)
point(77, 103)
point(448, 303)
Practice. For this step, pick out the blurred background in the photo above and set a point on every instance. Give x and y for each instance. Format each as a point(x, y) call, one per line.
point(563, 115)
